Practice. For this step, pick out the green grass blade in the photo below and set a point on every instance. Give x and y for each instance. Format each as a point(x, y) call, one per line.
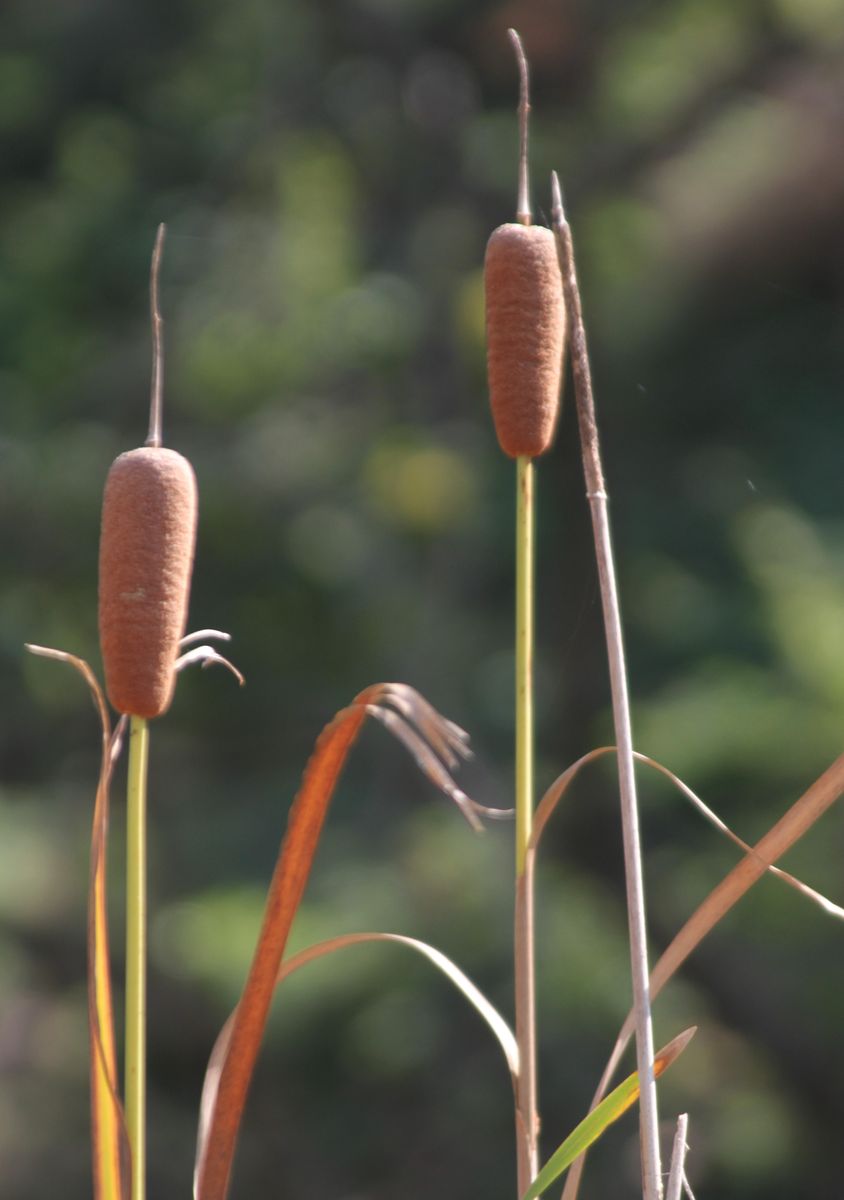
point(601, 1117)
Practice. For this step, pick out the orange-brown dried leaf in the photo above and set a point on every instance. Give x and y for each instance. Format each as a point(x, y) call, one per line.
point(234, 1057)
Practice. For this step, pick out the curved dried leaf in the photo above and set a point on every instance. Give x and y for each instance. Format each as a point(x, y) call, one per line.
point(548, 804)
point(229, 1076)
point(828, 906)
point(109, 1140)
point(445, 738)
point(559, 787)
point(433, 742)
point(502, 1031)
point(499, 1027)
point(200, 635)
point(601, 1117)
point(206, 656)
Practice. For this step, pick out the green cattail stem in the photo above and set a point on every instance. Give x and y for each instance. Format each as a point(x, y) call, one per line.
point(524, 658)
point(527, 1118)
point(136, 951)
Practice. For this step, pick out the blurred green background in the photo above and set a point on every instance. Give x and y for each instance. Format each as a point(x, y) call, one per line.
point(329, 173)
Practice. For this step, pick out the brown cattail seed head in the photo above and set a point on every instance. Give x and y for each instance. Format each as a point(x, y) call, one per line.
point(525, 330)
point(146, 556)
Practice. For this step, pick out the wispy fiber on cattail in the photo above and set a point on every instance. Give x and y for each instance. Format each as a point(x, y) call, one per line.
point(525, 316)
point(146, 556)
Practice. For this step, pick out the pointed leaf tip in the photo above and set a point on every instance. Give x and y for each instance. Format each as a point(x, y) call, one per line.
point(603, 1115)
point(670, 1053)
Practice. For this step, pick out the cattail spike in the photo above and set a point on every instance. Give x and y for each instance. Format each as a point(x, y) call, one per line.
point(524, 214)
point(526, 327)
point(154, 437)
point(146, 556)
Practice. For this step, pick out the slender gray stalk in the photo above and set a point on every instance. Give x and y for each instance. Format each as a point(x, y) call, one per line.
point(678, 1159)
point(527, 1117)
point(597, 496)
point(157, 385)
point(524, 214)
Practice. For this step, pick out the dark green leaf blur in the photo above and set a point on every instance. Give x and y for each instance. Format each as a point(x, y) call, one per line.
point(329, 173)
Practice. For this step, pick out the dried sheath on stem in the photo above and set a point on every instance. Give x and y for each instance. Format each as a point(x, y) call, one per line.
point(146, 557)
point(526, 326)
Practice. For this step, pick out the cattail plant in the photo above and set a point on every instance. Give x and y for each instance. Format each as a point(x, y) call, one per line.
point(146, 556)
point(526, 327)
point(525, 314)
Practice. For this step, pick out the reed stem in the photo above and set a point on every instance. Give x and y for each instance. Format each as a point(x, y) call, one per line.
point(678, 1159)
point(597, 496)
point(136, 951)
point(527, 1120)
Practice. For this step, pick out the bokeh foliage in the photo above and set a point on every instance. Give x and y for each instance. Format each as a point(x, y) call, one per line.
point(329, 174)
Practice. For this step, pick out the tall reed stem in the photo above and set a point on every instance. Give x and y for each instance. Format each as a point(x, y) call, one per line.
point(527, 1120)
point(597, 496)
point(136, 951)
point(678, 1159)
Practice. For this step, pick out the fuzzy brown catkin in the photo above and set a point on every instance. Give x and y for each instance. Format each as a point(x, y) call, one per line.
point(146, 555)
point(526, 328)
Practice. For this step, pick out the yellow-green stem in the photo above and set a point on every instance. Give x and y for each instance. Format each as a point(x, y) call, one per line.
point(527, 1118)
point(524, 658)
point(136, 951)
